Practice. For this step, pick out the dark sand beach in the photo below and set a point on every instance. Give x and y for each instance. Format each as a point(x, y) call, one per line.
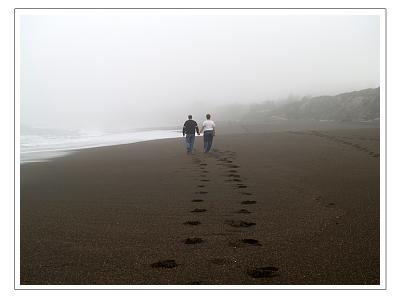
point(278, 208)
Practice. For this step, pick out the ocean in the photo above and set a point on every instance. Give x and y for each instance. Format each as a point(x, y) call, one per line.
point(39, 144)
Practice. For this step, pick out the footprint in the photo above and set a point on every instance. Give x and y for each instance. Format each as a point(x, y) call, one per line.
point(193, 240)
point(201, 185)
point(251, 242)
point(205, 180)
point(168, 264)
point(202, 192)
point(241, 186)
point(197, 200)
point(242, 211)
point(234, 175)
point(193, 223)
point(198, 210)
point(263, 272)
point(233, 166)
point(239, 223)
point(244, 243)
point(249, 202)
point(237, 180)
point(194, 283)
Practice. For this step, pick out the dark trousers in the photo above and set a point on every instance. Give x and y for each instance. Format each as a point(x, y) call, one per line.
point(208, 138)
point(189, 142)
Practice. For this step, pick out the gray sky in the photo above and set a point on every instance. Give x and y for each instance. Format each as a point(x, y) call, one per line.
point(139, 71)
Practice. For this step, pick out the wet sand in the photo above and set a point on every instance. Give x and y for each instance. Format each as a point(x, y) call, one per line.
point(298, 207)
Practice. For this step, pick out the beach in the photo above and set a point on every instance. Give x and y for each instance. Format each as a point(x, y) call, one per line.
point(262, 208)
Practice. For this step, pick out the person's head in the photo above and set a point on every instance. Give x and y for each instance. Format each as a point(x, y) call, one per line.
point(189, 117)
point(208, 116)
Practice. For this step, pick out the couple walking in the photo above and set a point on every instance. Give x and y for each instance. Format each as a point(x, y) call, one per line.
point(190, 127)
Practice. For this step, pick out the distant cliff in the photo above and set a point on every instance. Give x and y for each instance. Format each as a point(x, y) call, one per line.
point(352, 106)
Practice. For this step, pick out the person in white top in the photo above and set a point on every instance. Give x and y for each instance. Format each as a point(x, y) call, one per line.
point(209, 132)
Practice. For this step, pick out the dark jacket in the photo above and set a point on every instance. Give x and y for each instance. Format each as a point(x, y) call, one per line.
point(190, 127)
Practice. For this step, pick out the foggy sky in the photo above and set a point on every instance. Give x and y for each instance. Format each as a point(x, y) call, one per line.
point(141, 71)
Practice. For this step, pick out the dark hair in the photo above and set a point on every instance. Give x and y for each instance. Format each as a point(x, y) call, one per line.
point(190, 117)
point(208, 116)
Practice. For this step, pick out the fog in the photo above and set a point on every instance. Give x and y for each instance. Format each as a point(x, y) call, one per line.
point(147, 71)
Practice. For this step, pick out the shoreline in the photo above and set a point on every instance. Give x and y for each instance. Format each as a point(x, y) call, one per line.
point(272, 208)
point(70, 151)
point(47, 154)
point(227, 128)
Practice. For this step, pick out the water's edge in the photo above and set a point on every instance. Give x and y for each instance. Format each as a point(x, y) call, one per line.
point(47, 148)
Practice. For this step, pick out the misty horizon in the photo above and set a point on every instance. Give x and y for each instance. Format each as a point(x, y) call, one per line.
point(152, 71)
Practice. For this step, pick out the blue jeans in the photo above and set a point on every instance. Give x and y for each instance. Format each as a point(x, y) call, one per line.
point(189, 142)
point(208, 138)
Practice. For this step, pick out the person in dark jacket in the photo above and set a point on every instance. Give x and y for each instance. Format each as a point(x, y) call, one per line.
point(189, 128)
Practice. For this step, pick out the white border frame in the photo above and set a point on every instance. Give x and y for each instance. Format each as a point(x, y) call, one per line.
point(381, 12)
